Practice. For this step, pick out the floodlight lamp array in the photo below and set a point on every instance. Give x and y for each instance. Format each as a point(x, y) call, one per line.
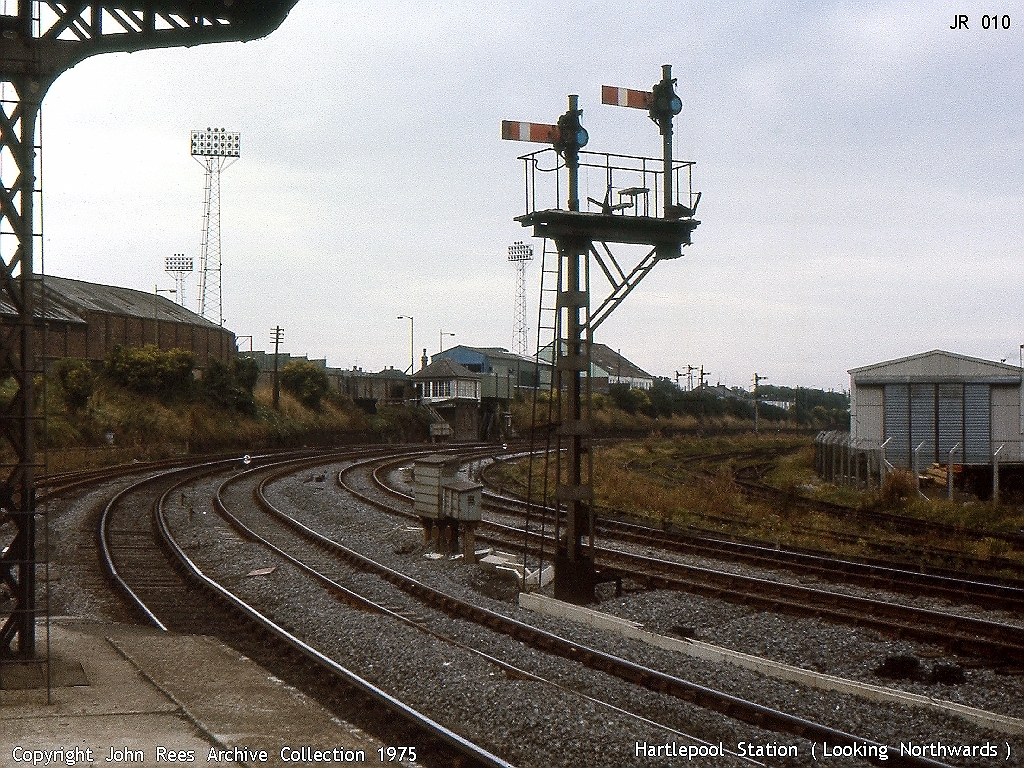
point(179, 262)
point(216, 142)
point(520, 251)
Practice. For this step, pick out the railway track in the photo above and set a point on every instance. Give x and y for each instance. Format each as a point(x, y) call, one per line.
point(168, 590)
point(415, 610)
point(906, 567)
point(897, 538)
point(997, 595)
point(1002, 643)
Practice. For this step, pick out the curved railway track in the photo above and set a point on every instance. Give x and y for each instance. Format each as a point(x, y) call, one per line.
point(1001, 642)
point(258, 522)
point(904, 564)
point(895, 537)
point(168, 590)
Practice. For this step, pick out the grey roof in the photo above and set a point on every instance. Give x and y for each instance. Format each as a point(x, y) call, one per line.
point(50, 310)
point(68, 301)
point(609, 360)
point(443, 368)
point(936, 365)
point(80, 296)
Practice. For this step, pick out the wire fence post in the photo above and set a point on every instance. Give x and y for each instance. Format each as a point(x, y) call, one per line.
point(995, 474)
point(949, 472)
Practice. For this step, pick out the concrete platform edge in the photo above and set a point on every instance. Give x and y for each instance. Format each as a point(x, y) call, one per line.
point(767, 667)
point(199, 725)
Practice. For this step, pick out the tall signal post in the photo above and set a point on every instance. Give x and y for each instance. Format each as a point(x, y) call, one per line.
point(40, 39)
point(215, 149)
point(631, 220)
point(178, 266)
point(520, 254)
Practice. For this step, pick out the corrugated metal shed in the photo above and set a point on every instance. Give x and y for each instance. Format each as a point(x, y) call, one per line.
point(934, 401)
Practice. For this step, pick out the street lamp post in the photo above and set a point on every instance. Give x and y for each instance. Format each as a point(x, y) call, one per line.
point(156, 306)
point(412, 343)
point(440, 341)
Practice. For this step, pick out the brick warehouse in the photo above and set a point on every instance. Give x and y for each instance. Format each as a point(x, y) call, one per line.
point(87, 320)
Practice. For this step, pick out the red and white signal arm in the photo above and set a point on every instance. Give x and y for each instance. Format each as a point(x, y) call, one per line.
point(626, 97)
point(539, 132)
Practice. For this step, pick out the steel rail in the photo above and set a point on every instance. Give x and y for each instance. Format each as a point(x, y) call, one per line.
point(360, 601)
point(1001, 642)
point(702, 696)
point(988, 593)
point(993, 591)
point(459, 750)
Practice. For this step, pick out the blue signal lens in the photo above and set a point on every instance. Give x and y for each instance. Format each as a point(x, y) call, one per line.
point(582, 137)
point(676, 105)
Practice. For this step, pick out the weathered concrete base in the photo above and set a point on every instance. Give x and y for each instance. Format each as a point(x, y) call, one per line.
point(510, 565)
point(767, 667)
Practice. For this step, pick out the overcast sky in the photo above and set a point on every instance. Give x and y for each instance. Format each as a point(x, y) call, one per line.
point(861, 167)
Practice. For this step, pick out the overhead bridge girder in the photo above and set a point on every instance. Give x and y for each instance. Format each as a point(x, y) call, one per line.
point(38, 41)
point(44, 39)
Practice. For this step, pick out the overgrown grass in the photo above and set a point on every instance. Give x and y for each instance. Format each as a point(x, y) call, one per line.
point(678, 482)
point(118, 426)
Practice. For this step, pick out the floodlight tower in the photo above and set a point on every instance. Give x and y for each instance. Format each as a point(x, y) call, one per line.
point(177, 266)
point(520, 254)
point(214, 149)
point(40, 39)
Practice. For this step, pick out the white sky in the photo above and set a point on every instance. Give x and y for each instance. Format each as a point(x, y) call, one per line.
point(861, 166)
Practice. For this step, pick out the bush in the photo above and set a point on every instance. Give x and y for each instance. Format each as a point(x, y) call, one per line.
point(898, 488)
point(306, 381)
point(77, 380)
point(150, 371)
point(231, 386)
point(628, 399)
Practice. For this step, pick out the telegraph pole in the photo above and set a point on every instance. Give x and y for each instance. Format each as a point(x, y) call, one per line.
point(757, 380)
point(277, 336)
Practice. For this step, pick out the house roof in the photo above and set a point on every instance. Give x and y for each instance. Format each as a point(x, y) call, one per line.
point(444, 368)
point(615, 364)
point(936, 365)
point(492, 353)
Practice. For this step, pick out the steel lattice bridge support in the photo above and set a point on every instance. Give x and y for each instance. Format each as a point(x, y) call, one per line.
point(38, 42)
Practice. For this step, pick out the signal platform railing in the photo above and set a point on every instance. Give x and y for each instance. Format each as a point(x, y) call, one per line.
point(626, 185)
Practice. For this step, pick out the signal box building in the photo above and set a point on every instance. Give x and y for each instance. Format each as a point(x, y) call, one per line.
point(451, 392)
point(502, 376)
point(939, 400)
